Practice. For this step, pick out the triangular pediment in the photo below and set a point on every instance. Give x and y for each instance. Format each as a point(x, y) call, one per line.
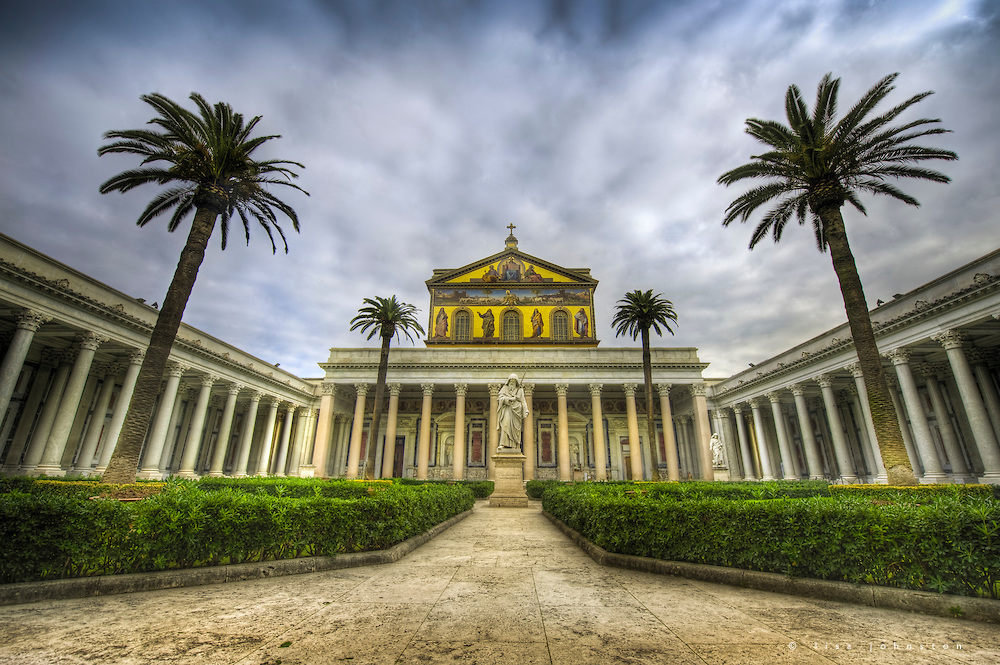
point(512, 267)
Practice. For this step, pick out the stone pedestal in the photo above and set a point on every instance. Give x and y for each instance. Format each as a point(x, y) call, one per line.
point(508, 485)
point(720, 473)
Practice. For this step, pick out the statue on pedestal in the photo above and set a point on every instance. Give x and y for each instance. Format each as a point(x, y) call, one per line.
point(511, 411)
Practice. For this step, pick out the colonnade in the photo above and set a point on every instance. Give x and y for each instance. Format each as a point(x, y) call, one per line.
point(821, 427)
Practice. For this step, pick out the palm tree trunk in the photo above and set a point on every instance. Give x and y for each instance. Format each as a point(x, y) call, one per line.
point(124, 462)
point(647, 375)
point(373, 432)
point(887, 432)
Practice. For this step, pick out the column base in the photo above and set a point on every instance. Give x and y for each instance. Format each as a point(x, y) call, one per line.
point(989, 478)
point(508, 490)
point(934, 479)
point(48, 470)
point(149, 474)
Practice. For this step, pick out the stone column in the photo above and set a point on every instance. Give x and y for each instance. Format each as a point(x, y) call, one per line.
point(866, 410)
point(749, 470)
point(31, 406)
point(494, 437)
point(36, 446)
point(424, 442)
point(851, 402)
point(225, 431)
point(635, 448)
point(732, 443)
point(991, 399)
point(528, 432)
point(702, 430)
point(667, 422)
point(161, 424)
point(324, 429)
point(93, 435)
point(952, 448)
point(298, 452)
point(975, 409)
point(281, 458)
point(784, 448)
point(600, 453)
point(683, 445)
point(28, 323)
point(565, 471)
point(904, 426)
point(267, 441)
point(246, 435)
point(175, 430)
point(762, 450)
point(458, 467)
point(51, 462)
point(844, 464)
point(933, 471)
point(189, 460)
point(813, 460)
point(121, 409)
point(357, 430)
point(392, 420)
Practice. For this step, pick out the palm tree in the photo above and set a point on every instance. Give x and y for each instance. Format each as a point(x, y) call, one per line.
point(387, 317)
point(815, 165)
point(635, 314)
point(207, 157)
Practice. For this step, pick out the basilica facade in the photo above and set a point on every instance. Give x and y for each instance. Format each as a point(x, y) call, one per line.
point(71, 347)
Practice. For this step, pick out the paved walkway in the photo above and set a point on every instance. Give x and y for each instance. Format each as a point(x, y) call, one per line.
point(502, 586)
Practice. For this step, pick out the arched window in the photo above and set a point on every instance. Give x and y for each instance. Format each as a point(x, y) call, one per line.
point(511, 326)
point(463, 326)
point(560, 326)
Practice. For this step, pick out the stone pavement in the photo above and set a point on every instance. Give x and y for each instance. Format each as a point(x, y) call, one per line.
point(502, 586)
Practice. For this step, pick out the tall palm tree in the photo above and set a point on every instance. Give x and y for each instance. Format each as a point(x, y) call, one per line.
point(815, 165)
point(635, 314)
point(207, 159)
point(386, 317)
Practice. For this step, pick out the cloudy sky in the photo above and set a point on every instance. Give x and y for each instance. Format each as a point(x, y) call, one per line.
point(597, 128)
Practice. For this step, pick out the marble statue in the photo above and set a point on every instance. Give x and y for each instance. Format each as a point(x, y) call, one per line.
point(511, 411)
point(716, 443)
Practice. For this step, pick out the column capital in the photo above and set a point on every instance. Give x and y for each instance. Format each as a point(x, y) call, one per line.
point(208, 380)
point(395, 389)
point(950, 339)
point(361, 389)
point(255, 395)
point(328, 388)
point(774, 397)
point(797, 389)
point(562, 389)
point(629, 389)
point(699, 389)
point(978, 356)
point(494, 389)
point(90, 341)
point(461, 389)
point(427, 389)
point(31, 320)
point(175, 369)
point(235, 388)
point(754, 402)
point(136, 356)
point(529, 389)
point(595, 389)
point(824, 381)
point(737, 410)
point(855, 370)
point(270, 401)
point(663, 389)
point(899, 356)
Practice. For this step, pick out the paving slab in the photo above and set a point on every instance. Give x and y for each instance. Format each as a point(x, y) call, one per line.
point(502, 586)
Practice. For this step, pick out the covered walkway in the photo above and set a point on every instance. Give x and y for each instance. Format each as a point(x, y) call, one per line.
point(501, 586)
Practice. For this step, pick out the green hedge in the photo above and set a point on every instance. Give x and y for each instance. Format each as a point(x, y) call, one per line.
point(480, 488)
point(950, 545)
point(793, 489)
point(46, 535)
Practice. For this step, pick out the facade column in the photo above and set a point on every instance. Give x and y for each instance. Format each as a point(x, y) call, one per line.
point(760, 430)
point(284, 442)
point(813, 460)
point(978, 359)
point(635, 448)
point(458, 450)
point(904, 426)
point(93, 435)
point(121, 409)
point(161, 424)
point(528, 432)
point(683, 447)
point(28, 323)
point(424, 442)
point(733, 443)
point(852, 407)
point(959, 469)
point(175, 431)
point(600, 452)
point(324, 429)
point(669, 442)
point(843, 453)
point(246, 436)
point(565, 470)
point(702, 430)
point(39, 387)
point(225, 431)
point(784, 448)
point(267, 441)
point(36, 446)
point(357, 431)
point(494, 436)
point(866, 410)
point(298, 449)
point(975, 409)
point(933, 471)
point(51, 462)
point(189, 459)
point(392, 420)
point(749, 469)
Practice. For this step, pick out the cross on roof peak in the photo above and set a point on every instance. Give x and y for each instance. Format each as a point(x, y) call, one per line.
point(511, 227)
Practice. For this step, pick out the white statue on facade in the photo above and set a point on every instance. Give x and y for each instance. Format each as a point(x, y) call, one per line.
point(716, 443)
point(511, 411)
